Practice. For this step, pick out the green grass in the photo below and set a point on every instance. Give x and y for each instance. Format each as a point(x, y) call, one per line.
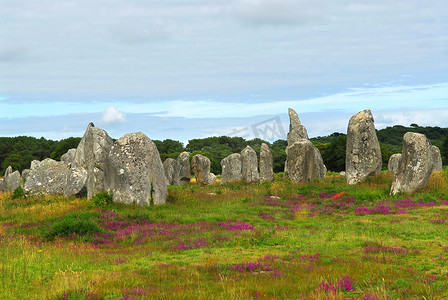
point(278, 240)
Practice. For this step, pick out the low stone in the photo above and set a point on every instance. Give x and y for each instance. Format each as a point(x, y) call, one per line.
point(342, 173)
point(69, 157)
point(394, 160)
point(231, 168)
point(2, 185)
point(266, 164)
point(437, 159)
point(48, 177)
point(184, 172)
point(363, 153)
point(249, 165)
point(415, 166)
point(304, 162)
point(25, 174)
point(134, 171)
point(201, 169)
point(11, 180)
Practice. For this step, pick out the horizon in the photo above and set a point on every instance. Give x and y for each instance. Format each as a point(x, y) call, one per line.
point(177, 70)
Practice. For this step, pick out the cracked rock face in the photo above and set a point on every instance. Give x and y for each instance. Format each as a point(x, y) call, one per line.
point(91, 155)
point(437, 159)
point(134, 171)
point(392, 165)
point(11, 180)
point(304, 162)
point(171, 168)
point(415, 166)
point(231, 168)
point(249, 165)
point(47, 177)
point(363, 153)
point(201, 169)
point(184, 172)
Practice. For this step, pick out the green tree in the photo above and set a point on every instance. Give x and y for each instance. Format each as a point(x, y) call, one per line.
point(444, 151)
point(63, 146)
point(14, 160)
point(333, 154)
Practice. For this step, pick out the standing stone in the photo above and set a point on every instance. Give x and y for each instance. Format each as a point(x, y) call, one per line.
point(171, 168)
point(363, 153)
point(437, 159)
point(2, 185)
point(91, 155)
point(249, 165)
point(25, 174)
point(231, 168)
point(48, 177)
point(266, 163)
point(415, 165)
point(394, 160)
point(134, 172)
point(183, 162)
point(11, 180)
point(69, 157)
point(304, 162)
point(201, 169)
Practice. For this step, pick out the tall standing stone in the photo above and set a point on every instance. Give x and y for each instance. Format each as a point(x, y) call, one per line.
point(134, 172)
point(11, 180)
point(415, 165)
point(249, 165)
point(437, 159)
point(91, 155)
point(394, 160)
point(304, 162)
point(231, 168)
point(171, 168)
point(363, 153)
point(201, 169)
point(183, 162)
point(266, 163)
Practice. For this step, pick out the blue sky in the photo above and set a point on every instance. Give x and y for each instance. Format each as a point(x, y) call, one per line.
point(190, 69)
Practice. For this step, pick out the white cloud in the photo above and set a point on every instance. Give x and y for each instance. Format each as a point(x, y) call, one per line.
point(111, 115)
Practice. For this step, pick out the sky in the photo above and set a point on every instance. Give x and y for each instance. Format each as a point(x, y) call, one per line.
point(177, 69)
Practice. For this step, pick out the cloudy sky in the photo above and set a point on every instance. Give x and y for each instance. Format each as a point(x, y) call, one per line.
point(189, 69)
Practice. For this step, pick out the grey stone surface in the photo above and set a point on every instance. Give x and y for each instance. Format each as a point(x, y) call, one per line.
point(76, 180)
point(392, 165)
point(415, 166)
point(171, 168)
point(91, 155)
point(134, 171)
point(69, 157)
point(48, 177)
point(201, 169)
point(25, 174)
point(231, 168)
point(304, 162)
point(184, 168)
point(296, 130)
point(34, 164)
point(437, 159)
point(266, 163)
point(2, 185)
point(11, 180)
point(249, 165)
point(302, 157)
point(363, 153)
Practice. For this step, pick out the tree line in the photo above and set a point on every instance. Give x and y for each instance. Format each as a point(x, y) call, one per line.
point(18, 152)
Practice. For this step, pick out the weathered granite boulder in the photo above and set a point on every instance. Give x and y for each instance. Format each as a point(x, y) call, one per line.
point(11, 180)
point(296, 130)
point(184, 173)
point(304, 162)
point(266, 163)
point(231, 168)
point(392, 165)
point(171, 168)
point(69, 157)
point(301, 155)
point(91, 155)
point(363, 153)
point(415, 165)
point(249, 165)
point(76, 180)
point(201, 169)
point(437, 159)
point(212, 178)
point(2, 185)
point(48, 177)
point(34, 164)
point(134, 171)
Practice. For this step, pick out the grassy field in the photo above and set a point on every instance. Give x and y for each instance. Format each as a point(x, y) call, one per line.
point(279, 240)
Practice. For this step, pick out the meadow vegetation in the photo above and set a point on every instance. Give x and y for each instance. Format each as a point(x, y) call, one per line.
point(278, 240)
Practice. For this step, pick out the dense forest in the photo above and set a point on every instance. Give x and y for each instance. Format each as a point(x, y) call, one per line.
point(18, 152)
